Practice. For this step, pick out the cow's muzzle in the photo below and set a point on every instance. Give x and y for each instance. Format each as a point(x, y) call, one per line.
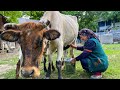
point(30, 72)
point(26, 73)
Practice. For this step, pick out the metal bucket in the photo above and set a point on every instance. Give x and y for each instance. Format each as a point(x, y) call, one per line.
point(69, 67)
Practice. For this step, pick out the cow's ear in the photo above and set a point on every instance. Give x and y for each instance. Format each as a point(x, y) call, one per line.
point(8, 26)
point(10, 35)
point(51, 34)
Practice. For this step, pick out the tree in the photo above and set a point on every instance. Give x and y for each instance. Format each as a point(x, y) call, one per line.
point(34, 14)
point(86, 19)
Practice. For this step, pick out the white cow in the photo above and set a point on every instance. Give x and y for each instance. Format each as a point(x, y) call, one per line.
point(68, 27)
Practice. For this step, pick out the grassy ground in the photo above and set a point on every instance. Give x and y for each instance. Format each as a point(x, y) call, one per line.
point(113, 71)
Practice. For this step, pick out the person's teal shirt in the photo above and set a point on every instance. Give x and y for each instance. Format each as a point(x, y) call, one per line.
point(97, 60)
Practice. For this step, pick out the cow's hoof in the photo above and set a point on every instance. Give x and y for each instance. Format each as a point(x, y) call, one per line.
point(17, 76)
point(45, 70)
point(53, 69)
point(47, 77)
point(60, 77)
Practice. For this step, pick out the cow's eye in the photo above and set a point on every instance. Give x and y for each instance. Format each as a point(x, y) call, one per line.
point(39, 42)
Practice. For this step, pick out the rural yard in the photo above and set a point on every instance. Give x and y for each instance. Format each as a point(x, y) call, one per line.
point(31, 28)
point(8, 64)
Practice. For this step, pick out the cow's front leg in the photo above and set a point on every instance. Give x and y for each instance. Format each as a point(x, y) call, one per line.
point(44, 61)
point(53, 68)
point(49, 67)
point(59, 66)
point(59, 60)
point(17, 69)
point(45, 69)
point(72, 53)
point(48, 72)
point(72, 50)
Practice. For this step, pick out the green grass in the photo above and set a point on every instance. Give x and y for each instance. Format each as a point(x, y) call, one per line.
point(113, 71)
point(11, 61)
point(113, 52)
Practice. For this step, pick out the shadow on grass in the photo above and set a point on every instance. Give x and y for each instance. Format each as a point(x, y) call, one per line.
point(79, 74)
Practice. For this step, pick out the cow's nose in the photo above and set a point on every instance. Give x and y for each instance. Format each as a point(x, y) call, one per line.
point(26, 73)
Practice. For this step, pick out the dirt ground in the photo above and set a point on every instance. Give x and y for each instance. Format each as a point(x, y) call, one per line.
point(6, 67)
point(10, 54)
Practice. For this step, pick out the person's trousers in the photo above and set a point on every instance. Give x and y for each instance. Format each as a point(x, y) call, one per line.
point(84, 64)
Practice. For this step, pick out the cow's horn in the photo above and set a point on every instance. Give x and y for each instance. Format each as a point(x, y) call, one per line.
point(45, 23)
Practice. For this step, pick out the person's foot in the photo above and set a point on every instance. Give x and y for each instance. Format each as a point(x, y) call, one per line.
point(96, 75)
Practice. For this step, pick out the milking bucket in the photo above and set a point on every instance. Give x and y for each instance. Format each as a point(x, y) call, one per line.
point(69, 67)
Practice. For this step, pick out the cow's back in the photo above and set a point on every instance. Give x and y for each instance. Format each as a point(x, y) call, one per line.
point(70, 29)
point(66, 24)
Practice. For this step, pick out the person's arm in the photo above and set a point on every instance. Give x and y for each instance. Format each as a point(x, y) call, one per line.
point(88, 48)
point(80, 48)
point(77, 47)
point(73, 46)
point(83, 55)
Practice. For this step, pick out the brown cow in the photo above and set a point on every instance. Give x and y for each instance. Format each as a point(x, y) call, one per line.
point(31, 38)
point(9, 46)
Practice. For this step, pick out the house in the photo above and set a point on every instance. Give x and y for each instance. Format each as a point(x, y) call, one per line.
point(104, 26)
point(109, 32)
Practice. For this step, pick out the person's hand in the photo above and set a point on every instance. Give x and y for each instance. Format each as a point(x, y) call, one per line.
point(73, 61)
point(73, 46)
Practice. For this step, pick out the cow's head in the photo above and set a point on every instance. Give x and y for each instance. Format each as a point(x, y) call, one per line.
point(31, 38)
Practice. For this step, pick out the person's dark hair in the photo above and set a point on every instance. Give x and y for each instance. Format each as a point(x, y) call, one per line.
point(87, 32)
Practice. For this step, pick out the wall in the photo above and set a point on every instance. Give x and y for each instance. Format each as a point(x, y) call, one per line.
point(106, 38)
point(22, 20)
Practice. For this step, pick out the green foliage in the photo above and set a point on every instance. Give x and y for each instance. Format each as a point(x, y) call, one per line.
point(86, 19)
point(12, 15)
point(34, 14)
